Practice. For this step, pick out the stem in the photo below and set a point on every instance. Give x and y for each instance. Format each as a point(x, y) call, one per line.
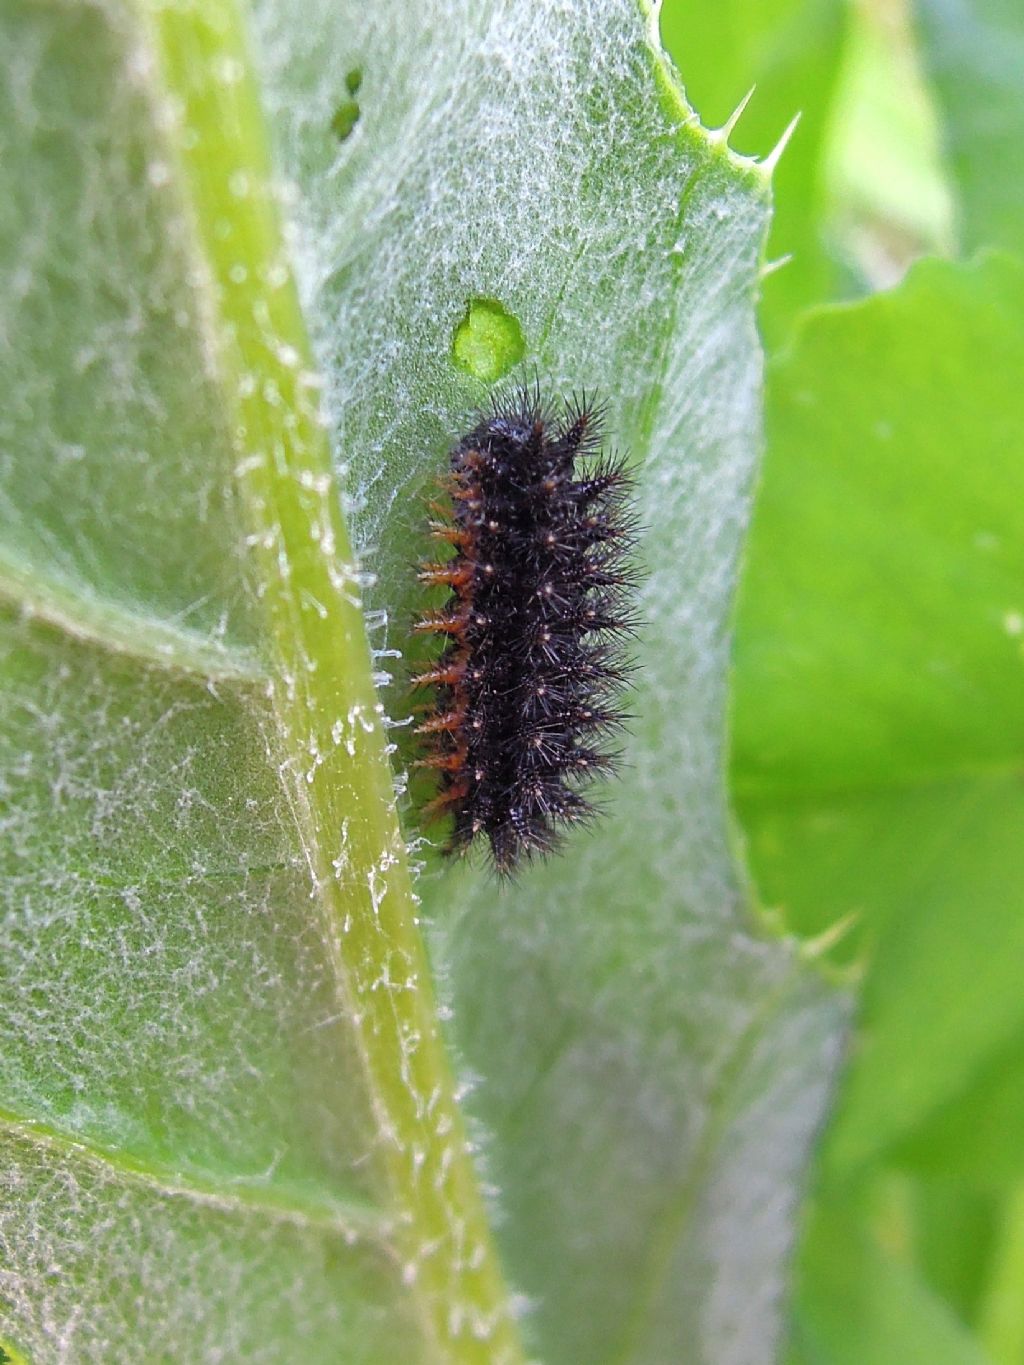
point(331, 730)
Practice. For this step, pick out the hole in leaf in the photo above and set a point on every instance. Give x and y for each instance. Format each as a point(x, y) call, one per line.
point(488, 341)
point(346, 116)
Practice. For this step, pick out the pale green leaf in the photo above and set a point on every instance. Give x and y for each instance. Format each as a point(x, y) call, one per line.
point(232, 1127)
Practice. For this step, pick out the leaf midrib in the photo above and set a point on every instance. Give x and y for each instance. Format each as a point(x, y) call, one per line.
point(332, 757)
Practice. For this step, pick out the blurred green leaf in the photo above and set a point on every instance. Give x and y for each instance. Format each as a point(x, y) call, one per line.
point(978, 1133)
point(879, 717)
point(952, 1233)
point(856, 1305)
point(1001, 1316)
point(789, 52)
point(225, 1115)
point(889, 197)
point(974, 55)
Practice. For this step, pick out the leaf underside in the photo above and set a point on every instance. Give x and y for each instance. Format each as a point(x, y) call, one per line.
point(196, 1092)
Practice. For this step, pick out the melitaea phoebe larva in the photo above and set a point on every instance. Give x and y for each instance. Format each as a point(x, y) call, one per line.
point(524, 693)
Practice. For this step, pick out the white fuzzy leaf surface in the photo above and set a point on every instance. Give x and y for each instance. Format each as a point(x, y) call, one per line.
point(196, 1151)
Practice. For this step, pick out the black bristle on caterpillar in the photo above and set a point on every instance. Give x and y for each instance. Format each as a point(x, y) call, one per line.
point(525, 690)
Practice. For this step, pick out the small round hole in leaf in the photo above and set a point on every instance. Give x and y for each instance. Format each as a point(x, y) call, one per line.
point(346, 116)
point(488, 341)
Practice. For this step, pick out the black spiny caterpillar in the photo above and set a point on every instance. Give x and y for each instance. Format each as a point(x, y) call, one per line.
point(524, 692)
